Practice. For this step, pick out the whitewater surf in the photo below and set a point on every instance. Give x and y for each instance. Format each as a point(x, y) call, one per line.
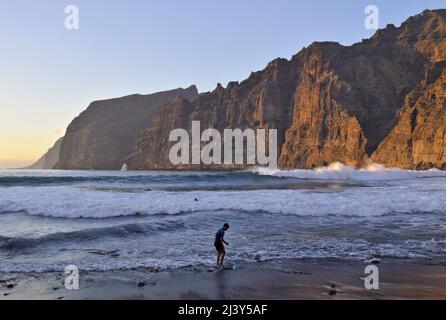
point(107, 220)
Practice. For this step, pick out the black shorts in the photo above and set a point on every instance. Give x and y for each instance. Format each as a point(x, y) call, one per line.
point(219, 246)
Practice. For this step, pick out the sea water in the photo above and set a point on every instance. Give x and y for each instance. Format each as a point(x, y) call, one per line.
point(105, 220)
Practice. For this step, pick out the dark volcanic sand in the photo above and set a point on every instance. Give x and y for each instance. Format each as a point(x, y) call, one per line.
point(290, 280)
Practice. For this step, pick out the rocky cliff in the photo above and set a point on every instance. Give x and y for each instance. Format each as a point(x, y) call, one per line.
point(49, 159)
point(104, 134)
point(418, 140)
point(381, 100)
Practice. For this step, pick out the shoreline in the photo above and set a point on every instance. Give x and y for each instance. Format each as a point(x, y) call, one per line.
point(309, 279)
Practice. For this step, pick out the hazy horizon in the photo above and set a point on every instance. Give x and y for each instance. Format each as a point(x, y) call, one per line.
point(52, 74)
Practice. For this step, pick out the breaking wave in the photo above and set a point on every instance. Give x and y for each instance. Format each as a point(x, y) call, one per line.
point(69, 202)
point(113, 220)
point(19, 243)
point(339, 171)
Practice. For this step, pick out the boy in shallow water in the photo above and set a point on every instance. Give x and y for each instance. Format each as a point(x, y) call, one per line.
point(219, 241)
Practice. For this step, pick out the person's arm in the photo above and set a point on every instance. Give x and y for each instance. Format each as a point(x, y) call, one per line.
point(223, 240)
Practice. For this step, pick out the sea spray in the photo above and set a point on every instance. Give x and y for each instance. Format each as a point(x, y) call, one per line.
point(339, 171)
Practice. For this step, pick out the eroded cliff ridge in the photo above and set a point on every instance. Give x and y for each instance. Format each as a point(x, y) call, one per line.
point(379, 100)
point(418, 139)
point(104, 134)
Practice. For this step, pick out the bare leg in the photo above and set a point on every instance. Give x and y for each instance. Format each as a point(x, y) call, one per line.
point(218, 259)
point(222, 258)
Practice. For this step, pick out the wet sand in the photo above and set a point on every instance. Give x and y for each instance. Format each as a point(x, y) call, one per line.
point(277, 280)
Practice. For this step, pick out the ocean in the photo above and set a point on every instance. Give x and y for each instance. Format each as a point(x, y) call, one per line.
point(108, 220)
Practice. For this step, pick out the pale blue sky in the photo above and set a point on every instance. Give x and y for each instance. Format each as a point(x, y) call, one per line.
point(49, 74)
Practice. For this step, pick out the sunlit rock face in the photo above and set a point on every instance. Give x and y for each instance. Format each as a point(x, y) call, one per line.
point(104, 134)
point(381, 100)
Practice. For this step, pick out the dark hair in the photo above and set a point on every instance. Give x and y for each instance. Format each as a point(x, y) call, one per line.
point(226, 226)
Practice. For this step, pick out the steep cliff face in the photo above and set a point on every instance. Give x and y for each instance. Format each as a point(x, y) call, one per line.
point(264, 100)
point(49, 159)
point(329, 102)
point(347, 98)
point(419, 137)
point(323, 128)
point(426, 32)
point(103, 135)
point(379, 100)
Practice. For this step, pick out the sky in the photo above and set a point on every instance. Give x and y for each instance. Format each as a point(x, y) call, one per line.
point(50, 74)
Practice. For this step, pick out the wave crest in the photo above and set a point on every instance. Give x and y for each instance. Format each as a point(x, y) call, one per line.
point(20, 243)
point(339, 171)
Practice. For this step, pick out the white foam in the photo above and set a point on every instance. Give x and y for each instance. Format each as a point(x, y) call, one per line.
point(72, 202)
point(339, 171)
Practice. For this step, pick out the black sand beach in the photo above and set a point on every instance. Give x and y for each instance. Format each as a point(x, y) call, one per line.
point(275, 280)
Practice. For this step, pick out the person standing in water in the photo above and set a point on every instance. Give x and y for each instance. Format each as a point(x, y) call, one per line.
point(219, 241)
